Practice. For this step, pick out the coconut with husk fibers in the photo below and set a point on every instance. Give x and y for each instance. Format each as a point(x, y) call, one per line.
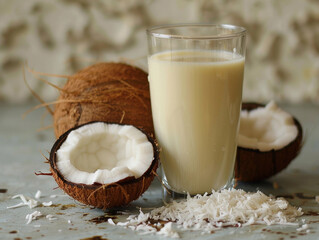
point(112, 92)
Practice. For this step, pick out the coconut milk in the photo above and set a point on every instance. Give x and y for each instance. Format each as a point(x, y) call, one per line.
point(196, 98)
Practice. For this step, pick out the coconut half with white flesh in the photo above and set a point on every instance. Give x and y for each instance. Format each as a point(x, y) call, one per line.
point(268, 140)
point(104, 164)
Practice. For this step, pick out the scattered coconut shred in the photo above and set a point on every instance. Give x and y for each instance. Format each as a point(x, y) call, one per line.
point(32, 203)
point(212, 212)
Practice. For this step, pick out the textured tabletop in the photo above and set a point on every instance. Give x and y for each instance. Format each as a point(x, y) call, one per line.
point(21, 146)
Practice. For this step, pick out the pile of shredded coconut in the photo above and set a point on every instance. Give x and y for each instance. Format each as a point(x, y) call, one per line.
point(211, 212)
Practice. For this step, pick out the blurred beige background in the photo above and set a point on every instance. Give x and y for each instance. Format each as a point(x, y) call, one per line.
point(62, 36)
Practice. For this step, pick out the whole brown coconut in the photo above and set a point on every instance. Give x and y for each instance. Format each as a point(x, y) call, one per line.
point(106, 196)
point(254, 165)
point(111, 92)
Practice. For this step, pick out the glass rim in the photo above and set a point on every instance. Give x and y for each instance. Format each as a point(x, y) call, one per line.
point(239, 31)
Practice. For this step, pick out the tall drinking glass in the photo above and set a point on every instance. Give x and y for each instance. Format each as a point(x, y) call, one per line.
point(196, 76)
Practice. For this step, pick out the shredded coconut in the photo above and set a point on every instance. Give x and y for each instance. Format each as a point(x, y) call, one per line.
point(17, 205)
point(37, 195)
point(50, 217)
point(47, 204)
point(220, 209)
point(121, 223)
point(32, 216)
point(167, 231)
point(26, 201)
point(30, 202)
point(317, 199)
point(303, 227)
point(110, 221)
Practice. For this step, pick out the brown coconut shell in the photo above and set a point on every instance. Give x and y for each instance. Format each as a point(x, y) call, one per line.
point(112, 195)
point(111, 92)
point(254, 165)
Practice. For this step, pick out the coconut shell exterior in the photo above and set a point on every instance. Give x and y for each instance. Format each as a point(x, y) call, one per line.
point(107, 196)
point(254, 165)
point(111, 92)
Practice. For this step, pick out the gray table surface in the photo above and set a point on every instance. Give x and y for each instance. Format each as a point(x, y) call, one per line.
point(20, 157)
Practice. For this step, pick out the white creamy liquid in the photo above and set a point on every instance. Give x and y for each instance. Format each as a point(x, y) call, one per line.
point(196, 98)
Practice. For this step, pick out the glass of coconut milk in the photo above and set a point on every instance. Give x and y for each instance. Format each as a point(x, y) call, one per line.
point(196, 75)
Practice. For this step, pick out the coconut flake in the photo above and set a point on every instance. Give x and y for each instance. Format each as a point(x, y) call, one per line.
point(32, 203)
point(37, 195)
point(145, 229)
point(168, 231)
point(32, 216)
point(110, 221)
point(47, 204)
point(16, 206)
point(303, 227)
point(26, 201)
point(317, 199)
point(220, 209)
point(104, 153)
point(122, 223)
point(50, 217)
point(266, 128)
point(22, 197)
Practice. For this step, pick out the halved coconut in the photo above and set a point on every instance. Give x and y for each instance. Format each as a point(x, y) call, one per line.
point(269, 139)
point(104, 164)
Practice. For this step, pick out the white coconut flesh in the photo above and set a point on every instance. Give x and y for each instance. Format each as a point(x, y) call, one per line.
point(266, 128)
point(104, 153)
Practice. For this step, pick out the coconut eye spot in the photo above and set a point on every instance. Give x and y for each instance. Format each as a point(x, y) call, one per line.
point(104, 153)
point(267, 128)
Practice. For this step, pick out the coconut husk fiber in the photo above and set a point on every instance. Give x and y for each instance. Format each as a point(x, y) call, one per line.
point(111, 92)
